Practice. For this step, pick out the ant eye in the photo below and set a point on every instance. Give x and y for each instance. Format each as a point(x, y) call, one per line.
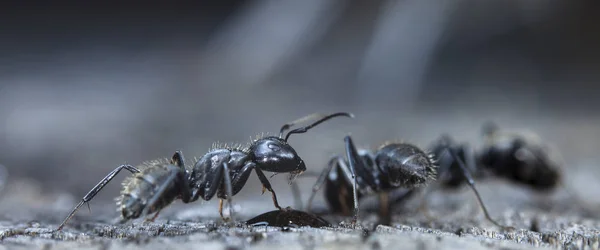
point(274, 147)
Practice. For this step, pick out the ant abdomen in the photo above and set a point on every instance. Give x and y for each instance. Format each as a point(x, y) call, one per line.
point(405, 165)
point(141, 187)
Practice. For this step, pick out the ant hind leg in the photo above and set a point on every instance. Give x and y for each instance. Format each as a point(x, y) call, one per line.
point(471, 183)
point(96, 189)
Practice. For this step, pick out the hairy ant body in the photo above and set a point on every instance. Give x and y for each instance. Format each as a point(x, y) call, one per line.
point(392, 166)
point(222, 172)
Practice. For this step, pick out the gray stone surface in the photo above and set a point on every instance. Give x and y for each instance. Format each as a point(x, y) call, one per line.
point(455, 223)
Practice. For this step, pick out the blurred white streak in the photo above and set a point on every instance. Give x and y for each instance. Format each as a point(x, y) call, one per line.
point(266, 35)
point(3, 177)
point(476, 23)
point(401, 49)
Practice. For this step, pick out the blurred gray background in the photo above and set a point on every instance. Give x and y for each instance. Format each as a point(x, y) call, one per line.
point(85, 88)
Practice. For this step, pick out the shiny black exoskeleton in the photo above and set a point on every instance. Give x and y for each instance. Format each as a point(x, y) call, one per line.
point(392, 166)
point(271, 154)
point(518, 158)
point(156, 184)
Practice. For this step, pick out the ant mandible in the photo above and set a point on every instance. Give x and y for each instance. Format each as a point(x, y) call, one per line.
point(156, 184)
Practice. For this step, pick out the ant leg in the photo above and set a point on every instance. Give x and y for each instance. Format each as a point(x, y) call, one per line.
point(297, 195)
point(153, 217)
point(296, 189)
point(214, 180)
point(174, 174)
point(317, 186)
point(353, 157)
point(471, 182)
point(221, 209)
point(267, 185)
point(90, 195)
point(384, 208)
point(228, 191)
point(178, 160)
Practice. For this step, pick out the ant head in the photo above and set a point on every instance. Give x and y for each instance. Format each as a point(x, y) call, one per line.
point(274, 154)
point(405, 165)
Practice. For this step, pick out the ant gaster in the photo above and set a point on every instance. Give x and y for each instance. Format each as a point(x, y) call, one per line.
point(225, 170)
point(519, 158)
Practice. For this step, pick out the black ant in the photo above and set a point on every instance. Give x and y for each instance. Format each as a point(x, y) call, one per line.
point(519, 158)
point(392, 166)
point(222, 170)
point(514, 157)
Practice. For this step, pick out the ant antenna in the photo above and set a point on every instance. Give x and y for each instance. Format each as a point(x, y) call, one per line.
point(304, 129)
point(303, 119)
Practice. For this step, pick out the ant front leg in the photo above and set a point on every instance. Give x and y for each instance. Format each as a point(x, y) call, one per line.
point(267, 185)
point(96, 189)
point(296, 189)
point(320, 181)
point(467, 174)
point(241, 177)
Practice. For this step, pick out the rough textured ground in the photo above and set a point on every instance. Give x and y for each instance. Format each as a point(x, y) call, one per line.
point(545, 222)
